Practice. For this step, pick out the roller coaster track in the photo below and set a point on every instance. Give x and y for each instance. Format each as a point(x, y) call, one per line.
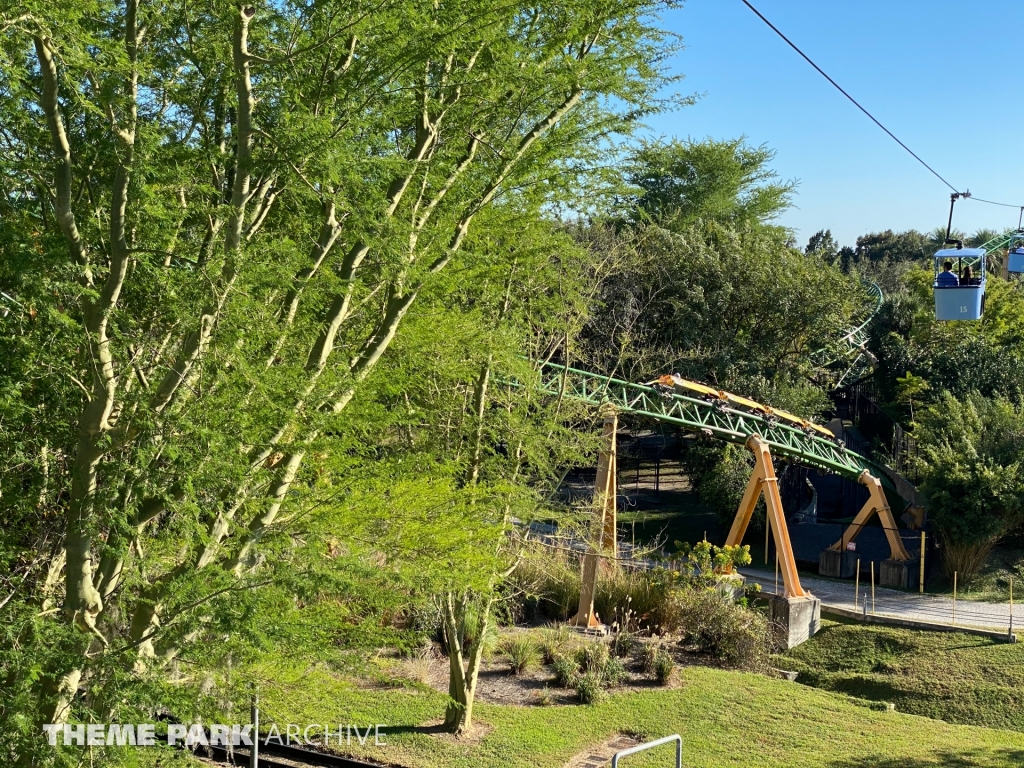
point(850, 349)
point(712, 416)
point(998, 242)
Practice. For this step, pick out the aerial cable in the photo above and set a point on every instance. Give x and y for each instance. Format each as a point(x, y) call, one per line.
point(872, 118)
point(853, 100)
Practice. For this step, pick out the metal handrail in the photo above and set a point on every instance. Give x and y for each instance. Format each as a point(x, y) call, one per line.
point(651, 744)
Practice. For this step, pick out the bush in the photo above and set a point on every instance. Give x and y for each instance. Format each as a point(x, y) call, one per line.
point(521, 651)
point(553, 579)
point(624, 643)
point(554, 640)
point(566, 671)
point(648, 657)
point(727, 631)
point(592, 657)
point(664, 666)
point(614, 672)
point(590, 688)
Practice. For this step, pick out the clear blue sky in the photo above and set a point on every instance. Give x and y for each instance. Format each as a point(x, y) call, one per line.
point(943, 75)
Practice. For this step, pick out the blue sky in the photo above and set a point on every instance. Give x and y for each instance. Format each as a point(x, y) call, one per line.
point(940, 74)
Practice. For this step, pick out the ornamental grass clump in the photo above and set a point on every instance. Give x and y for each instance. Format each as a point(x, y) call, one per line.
point(522, 653)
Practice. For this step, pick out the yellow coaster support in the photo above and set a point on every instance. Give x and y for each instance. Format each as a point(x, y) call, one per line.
point(876, 503)
point(763, 480)
point(605, 521)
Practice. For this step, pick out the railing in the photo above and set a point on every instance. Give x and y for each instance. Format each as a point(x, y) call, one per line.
point(650, 745)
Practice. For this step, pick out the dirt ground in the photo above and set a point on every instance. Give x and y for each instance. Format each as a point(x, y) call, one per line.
point(536, 686)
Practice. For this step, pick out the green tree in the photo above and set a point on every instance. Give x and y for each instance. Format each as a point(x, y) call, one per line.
point(737, 308)
point(908, 387)
point(723, 181)
point(980, 237)
point(221, 220)
point(973, 451)
point(823, 245)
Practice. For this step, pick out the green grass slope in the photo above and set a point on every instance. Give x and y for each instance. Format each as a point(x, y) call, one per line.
point(952, 677)
point(725, 718)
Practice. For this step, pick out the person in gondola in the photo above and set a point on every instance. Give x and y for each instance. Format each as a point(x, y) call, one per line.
point(968, 278)
point(947, 278)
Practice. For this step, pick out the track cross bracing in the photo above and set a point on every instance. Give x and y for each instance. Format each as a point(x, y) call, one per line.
point(712, 417)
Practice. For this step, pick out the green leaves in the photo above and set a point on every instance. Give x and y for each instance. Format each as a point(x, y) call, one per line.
point(973, 452)
point(682, 182)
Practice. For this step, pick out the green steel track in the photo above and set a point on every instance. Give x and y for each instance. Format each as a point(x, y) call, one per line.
point(998, 242)
point(712, 418)
point(851, 345)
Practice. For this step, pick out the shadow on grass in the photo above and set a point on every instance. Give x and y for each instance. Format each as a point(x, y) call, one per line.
point(395, 730)
point(945, 758)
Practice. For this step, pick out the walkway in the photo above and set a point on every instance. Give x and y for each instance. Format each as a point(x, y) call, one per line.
point(909, 605)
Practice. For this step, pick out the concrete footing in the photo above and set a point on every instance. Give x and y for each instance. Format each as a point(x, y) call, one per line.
point(795, 619)
point(899, 574)
point(836, 564)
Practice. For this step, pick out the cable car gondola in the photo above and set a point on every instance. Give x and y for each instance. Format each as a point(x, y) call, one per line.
point(1015, 255)
point(959, 285)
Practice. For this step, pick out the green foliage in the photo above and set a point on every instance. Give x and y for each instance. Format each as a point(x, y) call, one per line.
point(724, 181)
point(566, 671)
point(719, 473)
point(521, 651)
point(554, 640)
point(706, 563)
point(259, 302)
point(590, 688)
point(733, 306)
point(714, 624)
point(593, 657)
point(589, 671)
point(553, 579)
point(823, 245)
point(972, 455)
point(663, 668)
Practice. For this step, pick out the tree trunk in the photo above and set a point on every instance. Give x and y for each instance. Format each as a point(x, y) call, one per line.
point(463, 673)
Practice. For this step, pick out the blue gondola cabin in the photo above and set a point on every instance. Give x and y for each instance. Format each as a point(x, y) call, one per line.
point(1015, 257)
point(959, 285)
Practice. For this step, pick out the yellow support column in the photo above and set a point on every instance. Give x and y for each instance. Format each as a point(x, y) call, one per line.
point(604, 523)
point(763, 481)
point(876, 504)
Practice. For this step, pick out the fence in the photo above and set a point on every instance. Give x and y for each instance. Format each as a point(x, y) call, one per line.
point(887, 436)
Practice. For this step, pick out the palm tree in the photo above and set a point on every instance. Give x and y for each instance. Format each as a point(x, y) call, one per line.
point(981, 237)
point(937, 237)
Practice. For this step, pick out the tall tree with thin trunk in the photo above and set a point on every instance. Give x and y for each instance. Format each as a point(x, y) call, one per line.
point(221, 217)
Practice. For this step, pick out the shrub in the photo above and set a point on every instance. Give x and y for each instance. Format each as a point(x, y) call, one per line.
point(624, 643)
point(566, 671)
point(614, 672)
point(590, 688)
point(648, 657)
point(592, 657)
point(521, 651)
point(554, 640)
point(664, 666)
point(553, 578)
point(727, 631)
point(543, 698)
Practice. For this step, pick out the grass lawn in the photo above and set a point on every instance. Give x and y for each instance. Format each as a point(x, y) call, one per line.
point(954, 677)
point(675, 514)
point(725, 718)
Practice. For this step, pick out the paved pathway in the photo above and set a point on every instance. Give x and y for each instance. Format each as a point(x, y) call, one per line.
point(937, 609)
